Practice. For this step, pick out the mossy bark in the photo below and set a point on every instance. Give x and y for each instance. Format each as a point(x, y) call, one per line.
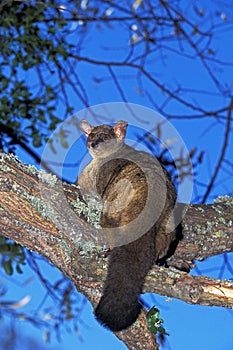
point(38, 212)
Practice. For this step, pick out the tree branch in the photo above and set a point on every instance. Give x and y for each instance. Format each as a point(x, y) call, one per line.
point(38, 212)
point(223, 152)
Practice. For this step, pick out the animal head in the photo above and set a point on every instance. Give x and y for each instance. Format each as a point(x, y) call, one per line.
point(103, 140)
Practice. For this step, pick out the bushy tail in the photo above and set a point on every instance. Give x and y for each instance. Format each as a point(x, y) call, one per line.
point(128, 266)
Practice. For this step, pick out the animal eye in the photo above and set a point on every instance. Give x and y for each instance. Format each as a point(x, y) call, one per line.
point(103, 137)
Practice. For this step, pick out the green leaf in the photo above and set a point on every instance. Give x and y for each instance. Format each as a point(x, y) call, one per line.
point(5, 83)
point(154, 322)
point(36, 142)
point(62, 22)
point(7, 265)
point(62, 51)
point(51, 145)
point(41, 116)
point(52, 30)
point(64, 143)
point(15, 62)
point(69, 110)
point(162, 330)
point(49, 89)
point(18, 269)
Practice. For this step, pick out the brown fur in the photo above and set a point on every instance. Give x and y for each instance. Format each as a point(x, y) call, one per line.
point(138, 199)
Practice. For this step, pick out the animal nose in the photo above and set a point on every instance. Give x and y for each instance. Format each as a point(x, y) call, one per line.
point(95, 143)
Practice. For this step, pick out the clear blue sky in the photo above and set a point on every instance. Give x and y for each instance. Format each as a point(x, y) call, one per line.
point(190, 327)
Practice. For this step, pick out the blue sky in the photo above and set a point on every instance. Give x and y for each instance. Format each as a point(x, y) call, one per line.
point(190, 327)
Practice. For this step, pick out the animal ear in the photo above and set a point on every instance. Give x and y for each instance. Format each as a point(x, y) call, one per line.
point(120, 129)
point(85, 127)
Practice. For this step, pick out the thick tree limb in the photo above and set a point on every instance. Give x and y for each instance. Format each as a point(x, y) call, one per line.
point(38, 212)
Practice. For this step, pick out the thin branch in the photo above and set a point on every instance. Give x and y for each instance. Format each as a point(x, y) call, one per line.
point(222, 155)
point(146, 74)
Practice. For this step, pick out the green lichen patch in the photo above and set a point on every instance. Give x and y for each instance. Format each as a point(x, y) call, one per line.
point(10, 157)
point(44, 209)
point(90, 248)
point(227, 200)
point(200, 209)
point(220, 234)
point(5, 168)
point(91, 214)
point(13, 159)
point(31, 169)
point(219, 209)
point(47, 178)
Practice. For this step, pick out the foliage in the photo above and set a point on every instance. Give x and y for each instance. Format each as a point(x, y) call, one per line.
point(11, 254)
point(55, 52)
point(27, 110)
point(154, 321)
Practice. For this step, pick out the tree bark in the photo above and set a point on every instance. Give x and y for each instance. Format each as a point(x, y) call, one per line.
point(39, 212)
